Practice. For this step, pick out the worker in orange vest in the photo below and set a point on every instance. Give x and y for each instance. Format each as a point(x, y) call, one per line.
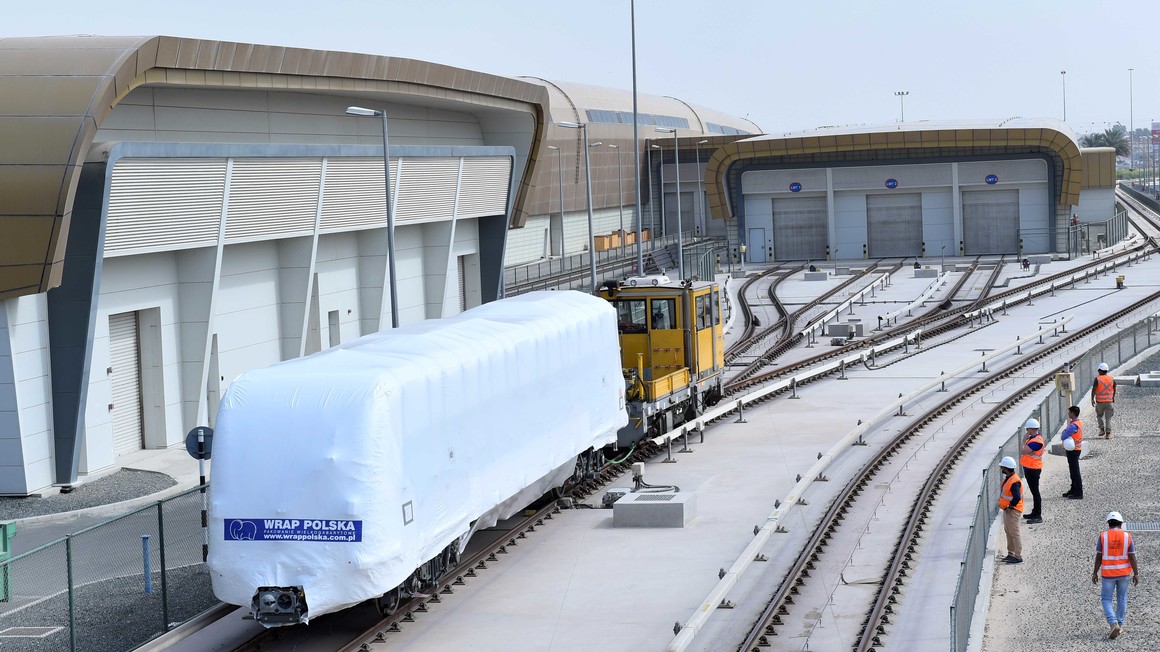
point(1032, 462)
point(1103, 396)
point(1011, 504)
point(1115, 560)
point(1072, 438)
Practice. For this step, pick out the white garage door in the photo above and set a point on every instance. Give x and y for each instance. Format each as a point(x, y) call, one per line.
point(990, 222)
point(799, 228)
point(125, 383)
point(894, 225)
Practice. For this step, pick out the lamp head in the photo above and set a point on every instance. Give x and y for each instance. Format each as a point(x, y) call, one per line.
point(569, 125)
point(553, 147)
point(702, 142)
point(613, 145)
point(666, 130)
point(595, 144)
point(358, 110)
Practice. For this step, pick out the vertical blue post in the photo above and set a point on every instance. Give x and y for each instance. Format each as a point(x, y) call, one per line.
point(148, 563)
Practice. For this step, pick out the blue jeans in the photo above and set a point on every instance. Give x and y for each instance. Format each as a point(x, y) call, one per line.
point(1120, 586)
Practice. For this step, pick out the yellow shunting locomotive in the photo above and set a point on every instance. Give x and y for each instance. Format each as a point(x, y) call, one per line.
point(672, 348)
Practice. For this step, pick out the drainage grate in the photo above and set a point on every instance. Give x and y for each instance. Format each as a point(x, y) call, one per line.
point(29, 632)
point(1145, 526)
point(654, 498)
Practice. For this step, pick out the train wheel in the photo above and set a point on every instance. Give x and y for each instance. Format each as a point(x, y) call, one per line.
point(387, 603)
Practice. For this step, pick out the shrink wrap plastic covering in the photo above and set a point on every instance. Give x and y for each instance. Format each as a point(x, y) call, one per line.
point(344, 471)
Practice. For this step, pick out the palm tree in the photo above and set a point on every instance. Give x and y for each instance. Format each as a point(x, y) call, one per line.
point(1092, 140)
point(1117, 137)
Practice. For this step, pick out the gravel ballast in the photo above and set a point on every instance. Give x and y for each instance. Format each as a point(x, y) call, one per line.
point(1049, 602)
point(125, 484)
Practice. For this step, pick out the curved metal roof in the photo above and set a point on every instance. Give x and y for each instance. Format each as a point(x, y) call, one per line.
point(59, 90)
point(871, 145)
point(570, 99)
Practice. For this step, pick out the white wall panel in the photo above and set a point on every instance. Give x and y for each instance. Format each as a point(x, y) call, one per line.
point(778, 181)
point(974, 173)
point(353, 196)
point(907, 176)
point(849, 225)
point(938, 222)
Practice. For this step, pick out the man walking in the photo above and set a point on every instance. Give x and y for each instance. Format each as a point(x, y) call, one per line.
point(1073, 445)
point(1103, 396)
point(1032, 463)
point(1115, 559)
point(1011, 504)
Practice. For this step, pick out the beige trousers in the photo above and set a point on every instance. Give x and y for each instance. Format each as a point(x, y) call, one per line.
point(1011, 520)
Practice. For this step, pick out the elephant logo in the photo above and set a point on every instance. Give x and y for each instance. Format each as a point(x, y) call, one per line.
point(239, 530)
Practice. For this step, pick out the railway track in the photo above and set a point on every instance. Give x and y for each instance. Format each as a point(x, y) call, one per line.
point(891, 588)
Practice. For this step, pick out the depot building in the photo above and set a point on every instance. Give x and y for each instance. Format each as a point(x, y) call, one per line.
point(908, 190)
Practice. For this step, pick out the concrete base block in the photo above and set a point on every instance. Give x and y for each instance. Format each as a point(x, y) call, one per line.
point(817, 276)
point(1039, 259)
point(654, 509)
point(1150, 379)
point(926, 272)
point(841, 271)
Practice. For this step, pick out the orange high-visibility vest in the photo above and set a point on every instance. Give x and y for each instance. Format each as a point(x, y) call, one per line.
point(1035, 459)
point(1005, 499)
point(1114, 545)
point(1105, 388)
point(1078, 436)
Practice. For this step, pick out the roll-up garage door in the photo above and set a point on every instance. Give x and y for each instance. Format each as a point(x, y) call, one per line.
point(990, 222)
point(894, 225)
point(125, 383)
point(799, 228)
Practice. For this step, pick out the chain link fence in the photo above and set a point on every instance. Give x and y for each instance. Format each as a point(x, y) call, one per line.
point(112, 586)
point(1052, 414)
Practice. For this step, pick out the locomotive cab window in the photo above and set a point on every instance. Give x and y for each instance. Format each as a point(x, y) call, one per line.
point(630, 316)
point(704, 307)
point(715, 308)
point(664, 314)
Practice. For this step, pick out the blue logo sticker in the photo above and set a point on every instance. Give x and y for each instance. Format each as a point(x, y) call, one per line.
point(286, 529)
point(892, 183)
point(992, 179)
point(795, 187)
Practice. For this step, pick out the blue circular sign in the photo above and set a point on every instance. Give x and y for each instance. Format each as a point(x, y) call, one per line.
point(892, 183)
point(992, 179)
point(795, 187)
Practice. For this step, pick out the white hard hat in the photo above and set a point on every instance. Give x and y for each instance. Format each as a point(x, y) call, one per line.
point(1069, 444)
point(1115, 516)
point(1007, 462)
point(1103, 366)
point(1031, 423)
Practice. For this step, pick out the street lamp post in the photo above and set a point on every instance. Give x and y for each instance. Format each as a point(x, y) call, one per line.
point(1063, 75)
point(943, 258)
point(392, 281)
point(620, 202)
point(1131, 120)
point(588, 182)
point(560, 172)
point(636, 148)
point(699, 210)
point(680, 228)
point(902, 104)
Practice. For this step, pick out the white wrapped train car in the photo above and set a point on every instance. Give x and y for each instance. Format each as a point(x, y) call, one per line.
point(338, 475)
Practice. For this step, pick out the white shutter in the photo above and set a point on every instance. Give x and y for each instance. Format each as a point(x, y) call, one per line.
point(125, 383)
point(484, 188)
point(272, 196)
point(354, 197)
point(164, 203)
point(426, 189)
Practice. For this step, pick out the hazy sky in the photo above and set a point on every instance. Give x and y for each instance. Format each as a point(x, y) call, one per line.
point(786, 65)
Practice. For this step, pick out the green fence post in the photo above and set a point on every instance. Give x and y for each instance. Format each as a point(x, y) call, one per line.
point(7, 531)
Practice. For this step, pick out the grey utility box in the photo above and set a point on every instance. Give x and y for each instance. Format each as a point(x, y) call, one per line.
point(817, 276)
point(654, 509)
point(926, 272)
point(845, 330)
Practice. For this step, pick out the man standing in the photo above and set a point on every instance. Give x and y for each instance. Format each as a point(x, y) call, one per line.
point(1115, 558)
point(1103, 396)
point(1032, 463)
point(1011, 504)
point(1073, 445)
